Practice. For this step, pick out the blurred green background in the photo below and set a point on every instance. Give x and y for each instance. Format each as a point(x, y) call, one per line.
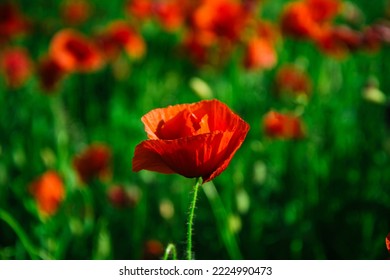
point(326, 196)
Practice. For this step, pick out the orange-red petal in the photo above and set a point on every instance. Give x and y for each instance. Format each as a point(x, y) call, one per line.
point(220, 118)
point(204, 155)
point(75, 52)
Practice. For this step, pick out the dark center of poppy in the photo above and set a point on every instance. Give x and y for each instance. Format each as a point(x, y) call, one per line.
point(79, 49)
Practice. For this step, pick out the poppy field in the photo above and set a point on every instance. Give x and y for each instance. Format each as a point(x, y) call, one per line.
point(195, 129)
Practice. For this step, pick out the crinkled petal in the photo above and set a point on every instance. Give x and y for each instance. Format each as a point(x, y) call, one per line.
point(204, 155)
point(219, 117)
point(147, 156)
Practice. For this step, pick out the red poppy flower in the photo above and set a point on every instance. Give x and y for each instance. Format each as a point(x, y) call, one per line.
point(93, 162)
point(292, 81)
point(375, 35)
point(12, 22)
point(383, 29)
point(338, 41)
point(170, 14)
point(220, 18)
point(141, 9)
point(297, 21)
point(268, 31)
point(388, 242)
point(75, 12)
point(283, 126)
point(16, 66)
point(50, 74)
point(323, 10)
point(121, 197)
point(120, 35)
point(196, 49)
point(193, 140)
point(260, 54)
point(75, 52)
point(48, 191)
point(371, 40)
point(153, 250)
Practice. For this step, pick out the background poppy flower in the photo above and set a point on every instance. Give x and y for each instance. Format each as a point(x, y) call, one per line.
point(338, 41)
point(153, 250)
point(75, 12)
point(93, 162)
point(50, 74)
point(193, 140)
point(220, 19)
point(297, 21)
point(16, 66)
point(260, 54)
point(48, 191)
point(122, 197)
point(323, 10)
point(170, 14)
point(120, 35)
point(388, 242)
point(291, 80)
point(12, 22)
point(283, 126)
point(75, 52)
point(141, 9)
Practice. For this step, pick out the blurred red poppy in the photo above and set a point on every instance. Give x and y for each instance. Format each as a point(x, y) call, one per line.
point(220, 18)
point(323, 10)
point(268, 31)
point(371, 39)
point(388, 242)
point(120, 197)
point(141, 9)
point(282, 126)
point(307, 19)
point(195, 48)
point(338, 41)
point(75, 12)
point(75, 52)
point(193, 140)
point(153, 250)
point(120, 35)
point(93, 163)
point(48, 191)
point(171, 14)
point(260, 54)
point(50, 74)
point(297, 21)
point(383, 29)
point(375, 35)
point(291, 80)
point(12, 22)
point(16, 66)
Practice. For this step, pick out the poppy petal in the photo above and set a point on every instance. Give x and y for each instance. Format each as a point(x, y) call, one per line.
point(198, 156)
point(147, 157)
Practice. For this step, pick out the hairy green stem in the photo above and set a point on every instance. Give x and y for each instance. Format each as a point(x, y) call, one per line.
point(170, 249)
point(191, 218)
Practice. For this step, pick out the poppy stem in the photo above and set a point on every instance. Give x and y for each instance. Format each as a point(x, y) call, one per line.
point(191, 218)
point(171, 249)
point(30, 248)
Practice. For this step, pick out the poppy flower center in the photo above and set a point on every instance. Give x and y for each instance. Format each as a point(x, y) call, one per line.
point(184, 124)
point(78, 49)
